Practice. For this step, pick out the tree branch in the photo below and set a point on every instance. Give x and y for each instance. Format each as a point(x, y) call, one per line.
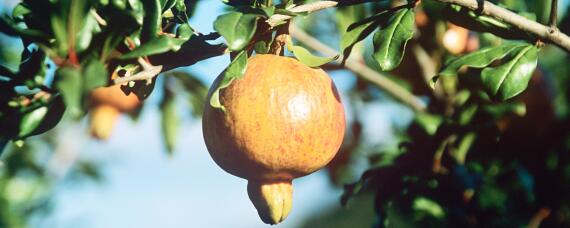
point(553, 13)
point(361, 71)
point(545, 33)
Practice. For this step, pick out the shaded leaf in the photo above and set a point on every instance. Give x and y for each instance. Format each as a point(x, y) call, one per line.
point(512, 77)
point(237, 28)
point(152, 19)
point(357, 31)
point(390, 41)
point(70, 86)
point(261, 47)
point(9, 27)
point(197, 91)
point(170, 120)
point(95, 75)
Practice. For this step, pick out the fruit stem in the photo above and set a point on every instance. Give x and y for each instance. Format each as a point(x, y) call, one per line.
point(281, 37)
point(273, 200)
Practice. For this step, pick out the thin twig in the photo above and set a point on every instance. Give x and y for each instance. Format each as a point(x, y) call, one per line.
point(361, 70)
point(148, 73)
point(310, 7)
point(553, 14)
point(545, 33)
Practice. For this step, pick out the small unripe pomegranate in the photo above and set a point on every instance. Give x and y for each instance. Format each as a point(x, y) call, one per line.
point(282, 120)
point(107, 104)
point(455, 39)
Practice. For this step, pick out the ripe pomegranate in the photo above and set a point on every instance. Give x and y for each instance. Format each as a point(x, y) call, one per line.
point(108, 103)
point(283, 120)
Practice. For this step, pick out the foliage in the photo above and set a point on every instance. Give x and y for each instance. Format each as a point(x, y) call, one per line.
point(491, 149)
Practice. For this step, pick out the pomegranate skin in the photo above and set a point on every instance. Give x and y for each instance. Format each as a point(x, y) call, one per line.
point(282, 120)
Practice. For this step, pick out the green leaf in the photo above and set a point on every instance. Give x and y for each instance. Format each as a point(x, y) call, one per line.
point(512, 77)
point(237, 28)
point(95, 75)
point(355, 32)
point(429, 206)
point(170, 121)
point(9, 27)
point(20, 11)
point(152, 19)
point(196, 89)
point(3, 143)
point(268, 11)
point(155, 46)
point(235, 70)
point(70, 86)
point(390, 41)
point(307, 58)
point(113, 34)
point(35, 119)
point(184, 31)
point(30, 121)
point(261, 47)
point(477, 59)
point(67, 21)
point(501, 109)
point(167, 4)
point(429, 122)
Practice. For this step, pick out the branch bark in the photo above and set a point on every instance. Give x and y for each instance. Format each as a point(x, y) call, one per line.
point(545, 33)
point(361, 70)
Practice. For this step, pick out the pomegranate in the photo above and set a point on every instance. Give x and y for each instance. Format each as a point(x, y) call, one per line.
point(282, 120)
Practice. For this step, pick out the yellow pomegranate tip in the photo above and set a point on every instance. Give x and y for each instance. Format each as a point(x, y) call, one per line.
point(103, 118)
point(273, 200)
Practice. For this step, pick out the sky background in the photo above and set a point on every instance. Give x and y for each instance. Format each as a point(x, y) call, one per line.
point(143, 187)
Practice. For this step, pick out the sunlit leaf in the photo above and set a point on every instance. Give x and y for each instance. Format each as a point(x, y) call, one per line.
point(307, 58)
point(429, 206)
point(390, 41)
point(235, 70)
point(512, 77)
point(429, 122)
point(480, 58)
point(31, 121)
point(237, 28)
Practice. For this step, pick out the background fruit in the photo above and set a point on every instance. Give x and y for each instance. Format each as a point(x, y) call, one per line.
point(108, 103)
point(283, 120)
